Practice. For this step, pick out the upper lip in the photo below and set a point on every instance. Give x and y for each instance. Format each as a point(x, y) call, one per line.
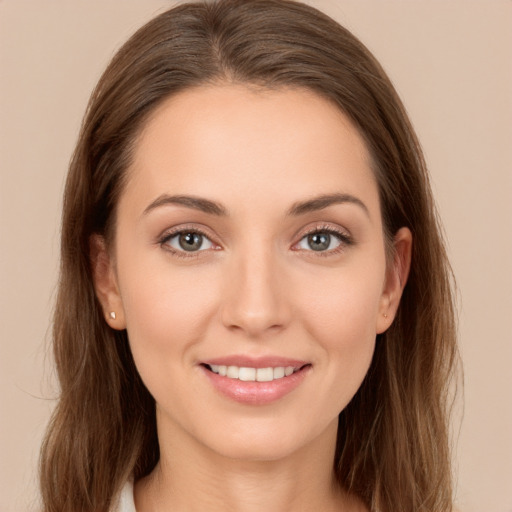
point(255, 362)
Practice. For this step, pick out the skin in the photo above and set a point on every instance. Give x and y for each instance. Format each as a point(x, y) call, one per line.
point(255, 287)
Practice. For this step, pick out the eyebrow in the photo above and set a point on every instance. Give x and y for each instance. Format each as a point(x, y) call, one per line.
point(211, 207)
point(324, 201)
point(196, 203)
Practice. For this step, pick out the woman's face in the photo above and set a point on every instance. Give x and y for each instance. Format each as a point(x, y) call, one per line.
point(249, 245)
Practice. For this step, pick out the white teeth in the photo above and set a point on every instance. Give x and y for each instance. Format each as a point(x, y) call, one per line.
point(249, 374)
point(233, 372)
point(264, 374)
point(279, 372)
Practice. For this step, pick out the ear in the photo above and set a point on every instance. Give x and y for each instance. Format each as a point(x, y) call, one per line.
point(105, 282)
point(396, 278)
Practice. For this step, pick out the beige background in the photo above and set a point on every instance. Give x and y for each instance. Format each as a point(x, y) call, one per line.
point(451, 62)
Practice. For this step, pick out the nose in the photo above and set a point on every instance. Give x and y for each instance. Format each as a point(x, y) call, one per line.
point(255, 300)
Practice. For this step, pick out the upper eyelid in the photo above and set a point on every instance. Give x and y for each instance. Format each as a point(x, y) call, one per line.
point(323, 227)
point(328, 229)
point(171, 232)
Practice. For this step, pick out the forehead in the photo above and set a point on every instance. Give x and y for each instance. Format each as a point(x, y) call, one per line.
point(235, 142)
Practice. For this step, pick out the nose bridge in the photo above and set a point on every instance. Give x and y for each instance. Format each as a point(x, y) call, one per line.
point(255, 300)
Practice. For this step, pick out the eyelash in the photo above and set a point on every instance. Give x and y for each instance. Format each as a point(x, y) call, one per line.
point(344, 238)
point(183, 230)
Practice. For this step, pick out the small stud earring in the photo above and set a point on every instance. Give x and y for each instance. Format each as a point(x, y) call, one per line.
point(113, 315)
point(385, 315)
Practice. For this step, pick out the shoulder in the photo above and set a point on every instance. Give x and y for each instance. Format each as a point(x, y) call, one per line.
point(125, 502)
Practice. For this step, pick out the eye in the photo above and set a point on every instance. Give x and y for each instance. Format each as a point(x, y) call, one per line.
point(323, 240)
point(188, 241)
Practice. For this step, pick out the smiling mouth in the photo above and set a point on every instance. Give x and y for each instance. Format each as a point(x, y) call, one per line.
point(249, 374)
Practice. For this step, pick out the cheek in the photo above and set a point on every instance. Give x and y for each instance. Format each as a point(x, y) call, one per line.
point(166, 311)
point(343, 305)
point(341, 317)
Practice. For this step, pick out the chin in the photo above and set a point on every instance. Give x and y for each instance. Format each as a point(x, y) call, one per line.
point(261, 442)
point(261, 451)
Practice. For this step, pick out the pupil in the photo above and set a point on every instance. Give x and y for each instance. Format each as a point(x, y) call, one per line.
point(190, 241)
point(319, 241)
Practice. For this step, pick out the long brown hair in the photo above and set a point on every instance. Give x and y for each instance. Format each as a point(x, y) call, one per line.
point(392, 449)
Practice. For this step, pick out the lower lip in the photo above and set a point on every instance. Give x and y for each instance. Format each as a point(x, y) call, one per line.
point(256, 393)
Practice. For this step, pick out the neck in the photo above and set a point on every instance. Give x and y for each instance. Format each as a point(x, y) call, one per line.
point(190, 477)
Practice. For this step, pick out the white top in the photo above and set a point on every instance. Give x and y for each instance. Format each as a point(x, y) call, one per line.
point(126, 503)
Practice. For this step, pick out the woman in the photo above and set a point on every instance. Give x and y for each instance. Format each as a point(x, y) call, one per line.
point(255, 308)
